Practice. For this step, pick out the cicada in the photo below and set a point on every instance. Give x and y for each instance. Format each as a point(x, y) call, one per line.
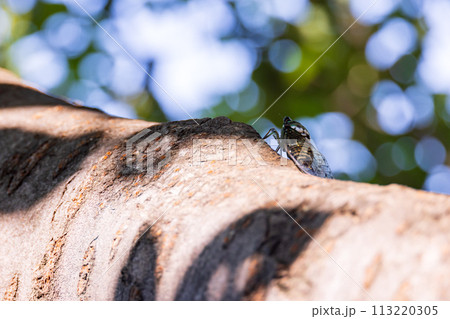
point(296, 142)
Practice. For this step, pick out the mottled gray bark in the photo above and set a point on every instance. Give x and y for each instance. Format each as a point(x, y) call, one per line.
point(76, 206)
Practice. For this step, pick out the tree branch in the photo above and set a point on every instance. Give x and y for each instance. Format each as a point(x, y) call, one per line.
point(98, 207)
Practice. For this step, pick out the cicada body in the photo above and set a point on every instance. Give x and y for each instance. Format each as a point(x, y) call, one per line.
point(296, 142)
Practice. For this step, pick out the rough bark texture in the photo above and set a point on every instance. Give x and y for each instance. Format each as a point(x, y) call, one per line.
point(76, 211)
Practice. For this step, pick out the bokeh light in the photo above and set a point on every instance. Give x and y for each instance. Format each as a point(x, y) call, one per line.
point(22, 6)
point(285, 55)
point(39, 63)
point(67, 33)
point(371, 12)
point(434, 65)
point(396, 38)
point(395, 114)
point(429, 153)
point(402, 152)
point(349, 157)
point(439, 180)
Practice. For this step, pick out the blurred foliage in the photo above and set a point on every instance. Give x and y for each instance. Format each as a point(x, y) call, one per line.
point(342, 80)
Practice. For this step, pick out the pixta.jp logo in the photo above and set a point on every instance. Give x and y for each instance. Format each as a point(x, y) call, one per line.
point(144, 154)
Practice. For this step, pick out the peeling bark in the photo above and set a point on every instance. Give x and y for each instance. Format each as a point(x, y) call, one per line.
point(94, 207)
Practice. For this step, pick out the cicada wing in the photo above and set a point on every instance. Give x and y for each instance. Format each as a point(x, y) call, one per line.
point(321, 166)
point(309, 160)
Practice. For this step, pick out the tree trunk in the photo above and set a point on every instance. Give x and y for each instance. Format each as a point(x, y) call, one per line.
point(94, 207)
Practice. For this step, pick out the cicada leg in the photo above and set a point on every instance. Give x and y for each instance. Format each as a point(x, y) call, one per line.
point(271, 132)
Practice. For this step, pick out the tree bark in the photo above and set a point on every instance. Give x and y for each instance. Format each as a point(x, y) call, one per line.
point(94, 207)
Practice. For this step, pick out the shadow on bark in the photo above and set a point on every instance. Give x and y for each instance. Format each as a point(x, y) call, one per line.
point(238, 264)
point(154, 147)
point(32, 164)
point(15, 95)
point(138, 279)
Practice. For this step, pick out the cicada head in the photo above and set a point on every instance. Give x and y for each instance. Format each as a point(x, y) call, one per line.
point(293, 129)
